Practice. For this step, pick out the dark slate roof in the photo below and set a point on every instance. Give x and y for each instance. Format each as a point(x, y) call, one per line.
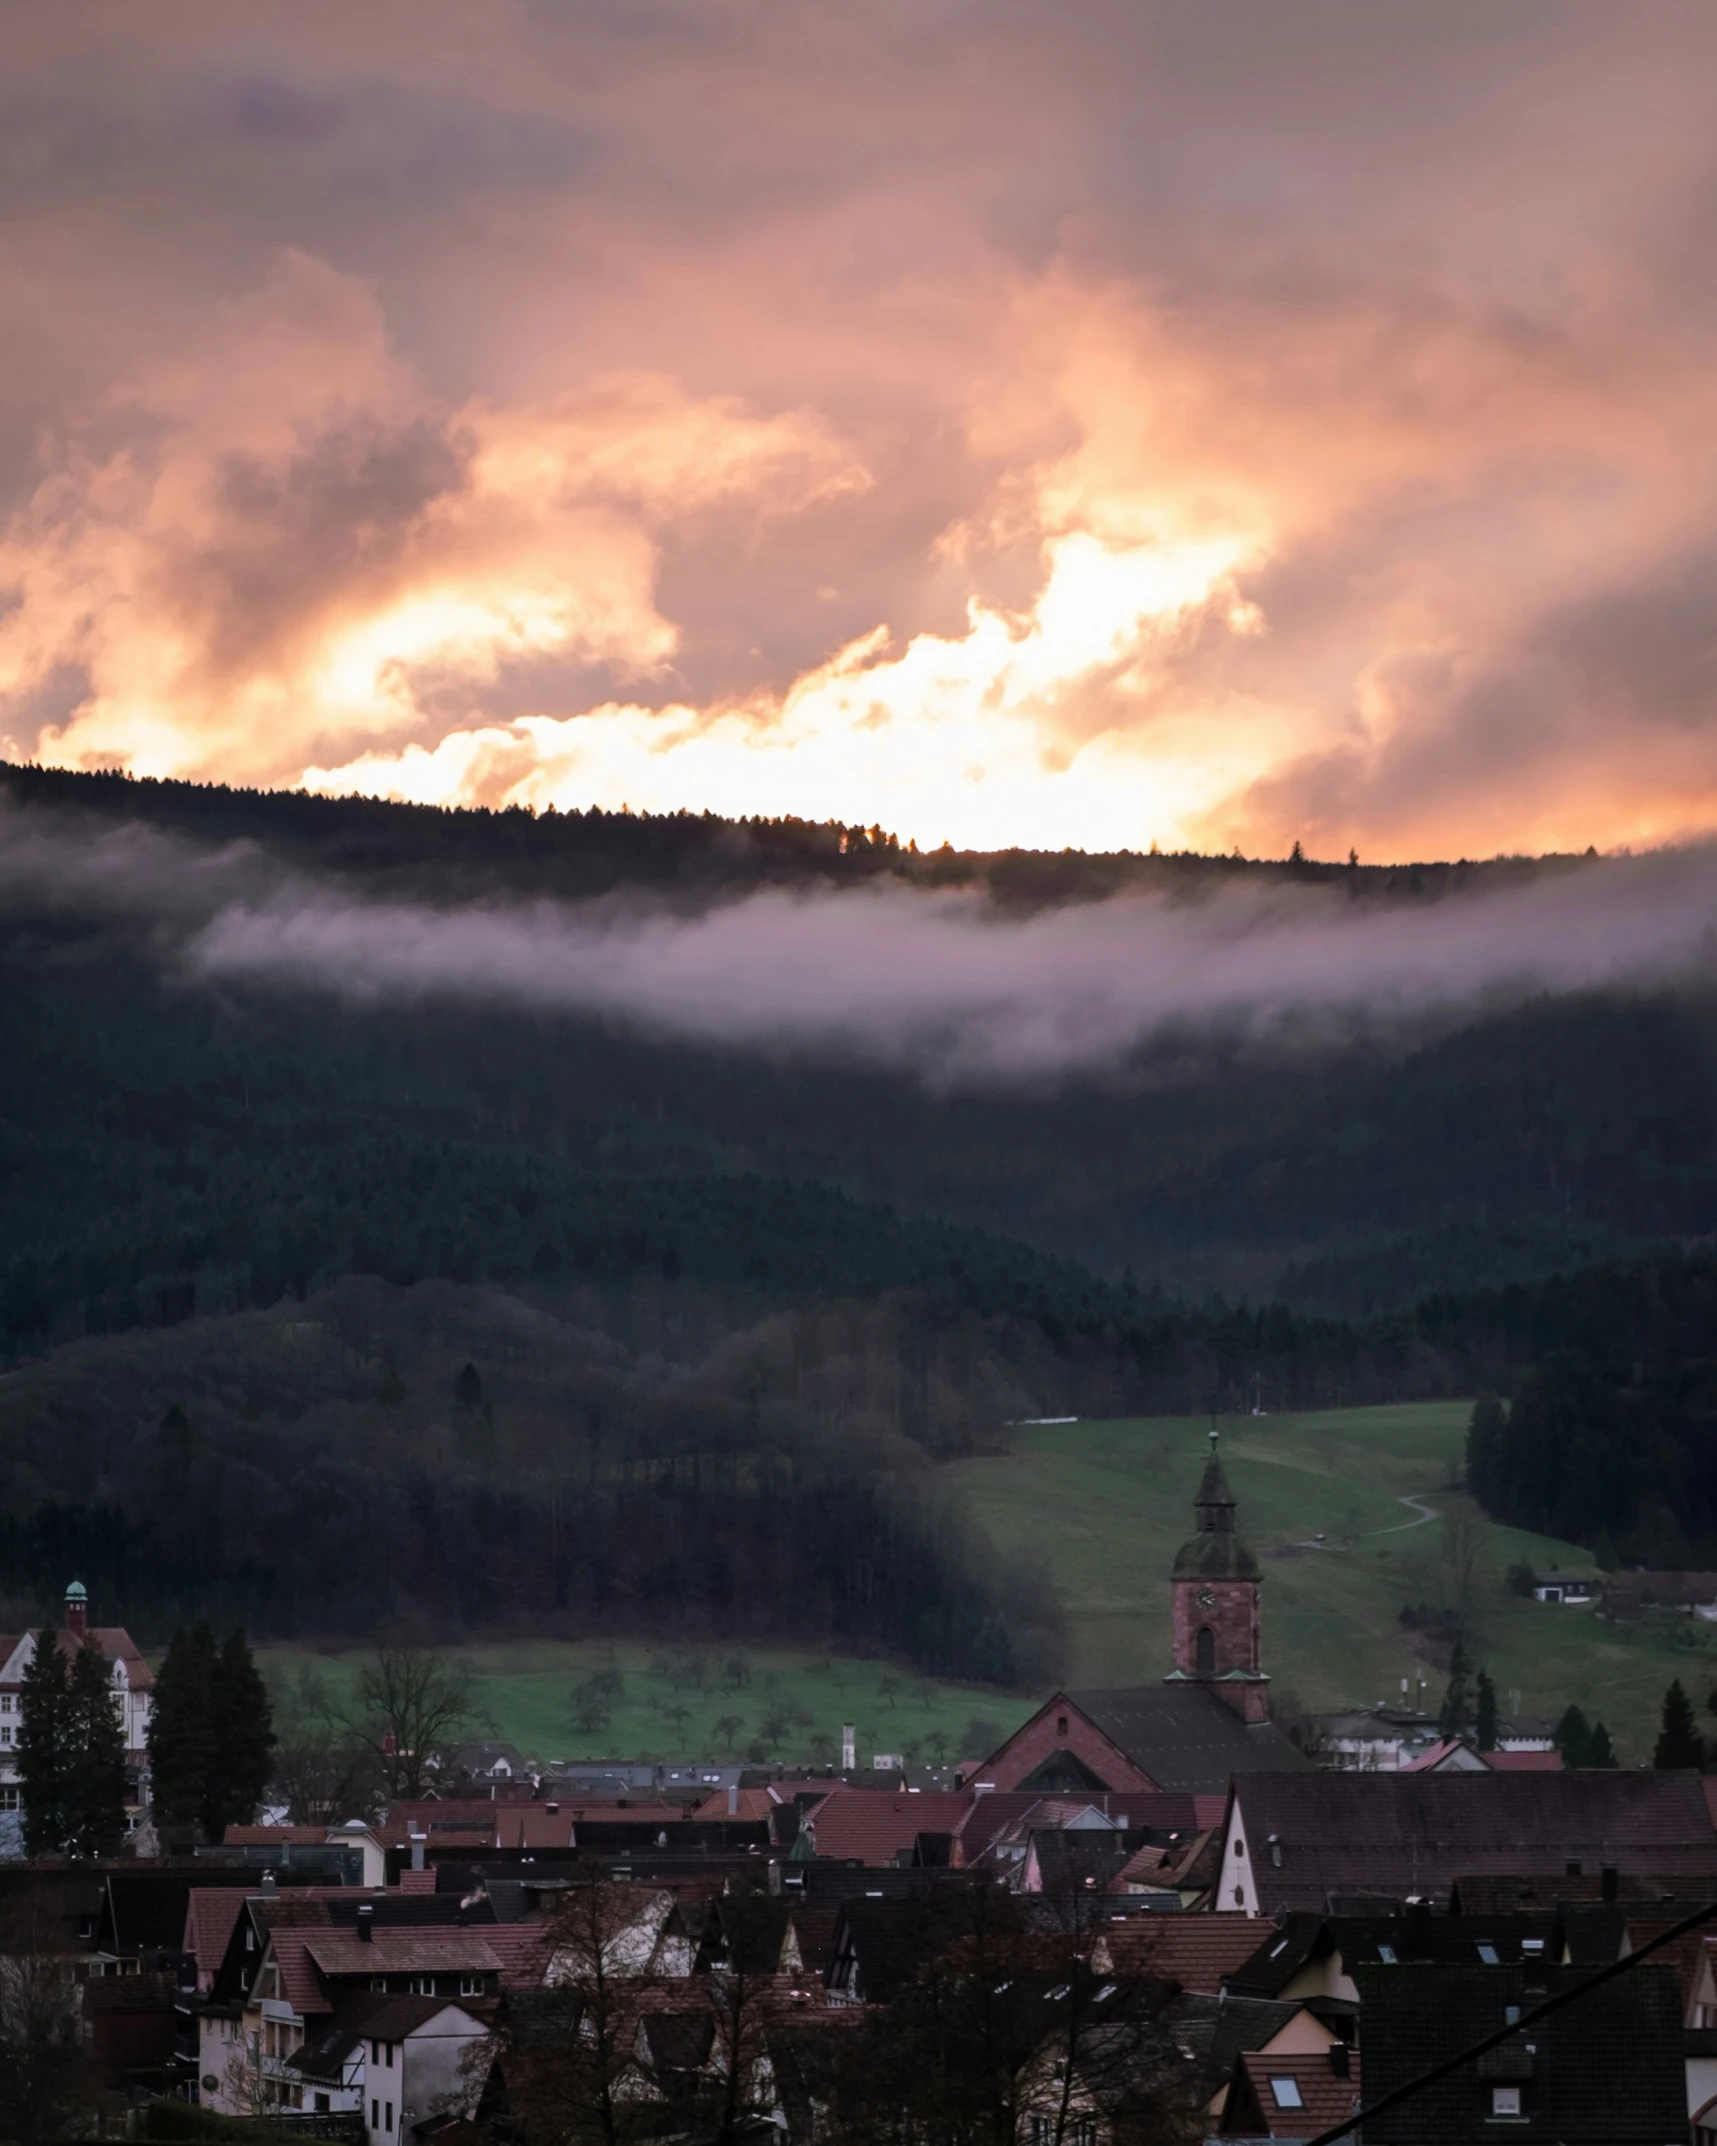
point(1185, 1737)
point(1394, 1834)
point(1214, 2030)
point(1607, 2069)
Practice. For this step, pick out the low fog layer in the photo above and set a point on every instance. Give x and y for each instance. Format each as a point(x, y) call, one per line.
point(940, 983)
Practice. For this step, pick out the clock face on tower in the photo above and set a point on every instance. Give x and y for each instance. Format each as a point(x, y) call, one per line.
point(1206, 1598)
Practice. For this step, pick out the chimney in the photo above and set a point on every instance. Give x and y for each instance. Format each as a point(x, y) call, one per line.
point(1340, 2068)
point(733, 1800)
point(417, 1845)
point(77, 1609)
point(366, 1925)
point(1609, 1882)
point(849, 1747)
point(268, 1885)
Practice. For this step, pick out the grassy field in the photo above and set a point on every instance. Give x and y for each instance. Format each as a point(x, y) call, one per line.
point(677, 1702)
point(1107, 1504)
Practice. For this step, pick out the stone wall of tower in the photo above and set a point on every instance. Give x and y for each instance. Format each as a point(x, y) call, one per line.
point(1231, 1618)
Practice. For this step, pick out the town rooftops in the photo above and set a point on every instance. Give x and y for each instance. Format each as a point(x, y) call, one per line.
point(1312, 1838)
point(1199, 1952)
point(862, 1825)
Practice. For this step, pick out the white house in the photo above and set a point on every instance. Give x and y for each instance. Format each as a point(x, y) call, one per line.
point(133, 1696)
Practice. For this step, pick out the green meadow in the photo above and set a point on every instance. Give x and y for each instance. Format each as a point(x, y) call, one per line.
point(1334, 1503)
point(1105, 1505)
point(679, 1702)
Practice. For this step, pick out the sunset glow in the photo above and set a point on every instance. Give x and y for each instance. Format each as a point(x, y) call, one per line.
point(1079, 433)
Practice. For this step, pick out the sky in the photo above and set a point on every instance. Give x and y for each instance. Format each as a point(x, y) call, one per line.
point(1094, 424)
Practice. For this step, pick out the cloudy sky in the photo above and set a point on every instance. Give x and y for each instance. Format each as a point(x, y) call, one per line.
point(1094, 423)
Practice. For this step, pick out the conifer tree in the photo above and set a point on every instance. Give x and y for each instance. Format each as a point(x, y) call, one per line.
point(1600, 1751)
point(1573, 1737)
point(182, 1729)
point(1457, 1714)
point(242, 1739)
point(42, 1748)
point(1678, 1742)
point(1484, 1717)
point(94, 1747)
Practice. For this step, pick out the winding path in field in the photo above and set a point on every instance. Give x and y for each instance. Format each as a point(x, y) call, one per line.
point(1424, 1511)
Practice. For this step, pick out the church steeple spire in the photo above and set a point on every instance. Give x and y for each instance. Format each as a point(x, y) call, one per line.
point(1214, 1504)
point(1216, 1581)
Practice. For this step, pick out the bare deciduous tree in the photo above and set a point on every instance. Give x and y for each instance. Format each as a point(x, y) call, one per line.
point(45, 2080)
point(411, 1701)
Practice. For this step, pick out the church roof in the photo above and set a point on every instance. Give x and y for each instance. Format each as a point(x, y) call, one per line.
point(1185, 1737)
point(1213, 1556)
point(1213, 1489)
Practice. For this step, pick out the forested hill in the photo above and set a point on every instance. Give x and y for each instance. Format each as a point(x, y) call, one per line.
point(449, 855)
point(165, 1144)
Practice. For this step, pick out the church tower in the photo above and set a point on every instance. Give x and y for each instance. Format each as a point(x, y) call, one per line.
point(1216, 1581)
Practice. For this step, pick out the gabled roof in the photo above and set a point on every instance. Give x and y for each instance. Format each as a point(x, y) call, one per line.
point(1392, 1834)
point(1186, 1738)
point(1325, 2094)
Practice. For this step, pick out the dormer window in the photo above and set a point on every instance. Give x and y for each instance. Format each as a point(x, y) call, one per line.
point(1505, 2101)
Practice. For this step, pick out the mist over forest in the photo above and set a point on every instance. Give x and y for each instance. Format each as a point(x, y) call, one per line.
point(277, 1166)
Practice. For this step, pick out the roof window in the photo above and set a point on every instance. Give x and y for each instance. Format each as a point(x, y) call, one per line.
point(1287, 2093)
point(1487, 1952)
point(1386, 1953)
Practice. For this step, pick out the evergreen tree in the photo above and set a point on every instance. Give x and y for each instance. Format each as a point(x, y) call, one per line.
point(42, 1748)
point(242, 1721)
point(1456, 1717)
point(1484, 1718)
point(1679, 1742)
point(1573, 1736)
point(1600, 1752)
point(94, 1748)
point(182, 1729)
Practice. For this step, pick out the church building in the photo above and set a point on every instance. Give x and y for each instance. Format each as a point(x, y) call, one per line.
point(1207, 1720)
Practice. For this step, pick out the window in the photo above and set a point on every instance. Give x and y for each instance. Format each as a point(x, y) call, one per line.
point(388, 2108)
point(1205, 1650)
point(423, 1985)
point(388, 2049)
point(378, 1982)
point(375, 2056)
point(1287, 2093)
point(1061, 1724)
point(1487, 1952)
point(6, 1734)
point(1505, 2101)
point(1386, 1953)
point(470, 1985)
point(375, 2116)
point(5, 1703)
point(8, 1799)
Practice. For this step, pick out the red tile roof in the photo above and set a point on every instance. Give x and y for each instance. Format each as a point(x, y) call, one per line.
point(210, 1913)
point(1524, 1761)
point(1326, 2100)
point(866, 1825)
point(1195, 1950)
point(396, 1951)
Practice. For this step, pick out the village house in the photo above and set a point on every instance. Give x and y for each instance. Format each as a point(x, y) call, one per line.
point(291, 1966)
point(1322, 1840)
point(133, 1689)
